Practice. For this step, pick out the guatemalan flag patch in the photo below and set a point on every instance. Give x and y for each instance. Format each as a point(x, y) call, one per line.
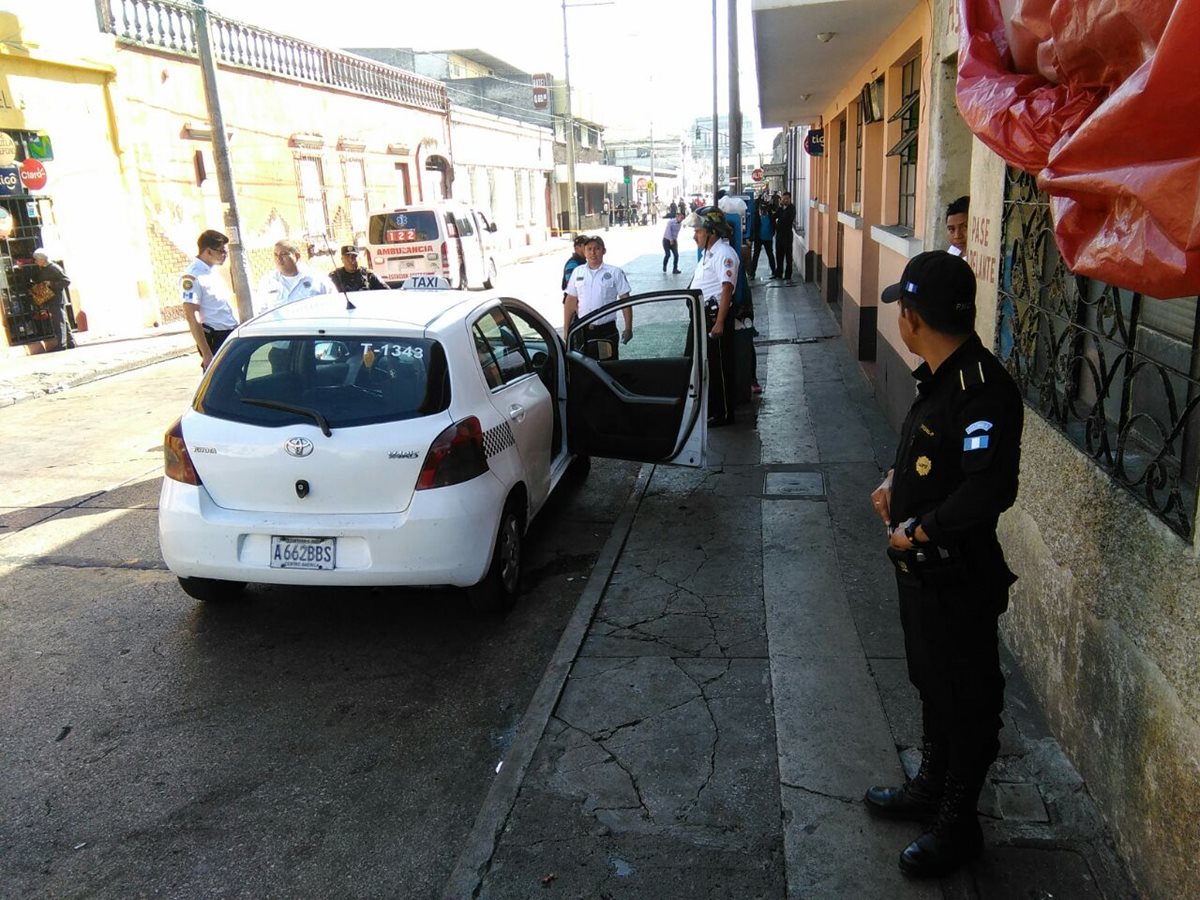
point(977, 438)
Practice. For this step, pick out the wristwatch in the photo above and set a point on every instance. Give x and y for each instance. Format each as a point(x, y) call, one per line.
point(910, 529)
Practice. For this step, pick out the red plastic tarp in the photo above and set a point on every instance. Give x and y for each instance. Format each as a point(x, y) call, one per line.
point(1101, 101)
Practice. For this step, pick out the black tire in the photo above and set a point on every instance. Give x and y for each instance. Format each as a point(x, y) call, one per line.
point(462, 278)
point(493, 276)
point(501, 586)
point(212, 590)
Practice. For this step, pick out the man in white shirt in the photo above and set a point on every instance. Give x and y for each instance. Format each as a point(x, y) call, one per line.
point(590, 287)
point(206, 298)
point(289, 281)
point(715, 278)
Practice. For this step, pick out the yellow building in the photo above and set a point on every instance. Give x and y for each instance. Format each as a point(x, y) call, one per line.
point(316, 138)
point(1105, 618)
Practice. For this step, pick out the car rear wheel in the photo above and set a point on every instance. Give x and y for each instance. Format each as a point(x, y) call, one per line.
point(499, 588)
point(493, 278)
point(212, 590)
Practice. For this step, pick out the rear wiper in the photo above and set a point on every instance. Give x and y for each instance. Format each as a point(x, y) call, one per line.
point(298, 410)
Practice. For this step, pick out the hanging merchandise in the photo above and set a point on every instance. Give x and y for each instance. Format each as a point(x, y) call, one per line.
point(1100, 102)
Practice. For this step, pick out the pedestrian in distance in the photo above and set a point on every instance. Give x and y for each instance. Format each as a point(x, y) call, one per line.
point(716, 277)
point(592, 286)
point(762, 235)
point(577, 259)
point(956, 225)
point(350, 276)
point(672, 209)
point(954, 474)
point(606, 215)
point(289, 280)
point(207, 300)
point(55, 283)
point(785, 219)
point(670, 242)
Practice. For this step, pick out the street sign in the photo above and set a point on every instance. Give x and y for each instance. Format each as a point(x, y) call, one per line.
point(757, 174)
point(541, 90)
point(641, 184)
point(33, 175)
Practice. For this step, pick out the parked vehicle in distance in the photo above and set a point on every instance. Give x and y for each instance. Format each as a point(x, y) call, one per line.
point(385, 443)
point(448, 239)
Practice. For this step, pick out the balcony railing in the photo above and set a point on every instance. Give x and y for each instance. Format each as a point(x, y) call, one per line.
point(169, 26)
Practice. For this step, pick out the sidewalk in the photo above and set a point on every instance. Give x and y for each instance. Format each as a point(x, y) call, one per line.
point(734, 679)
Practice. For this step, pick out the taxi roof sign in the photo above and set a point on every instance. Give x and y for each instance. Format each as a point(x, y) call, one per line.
point(425, 283)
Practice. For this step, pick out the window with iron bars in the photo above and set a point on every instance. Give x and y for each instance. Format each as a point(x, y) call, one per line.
point(858, 159)
point(1115, 371)
point(909, 116)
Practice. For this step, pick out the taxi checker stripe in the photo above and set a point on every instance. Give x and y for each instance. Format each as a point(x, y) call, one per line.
point(498, 439)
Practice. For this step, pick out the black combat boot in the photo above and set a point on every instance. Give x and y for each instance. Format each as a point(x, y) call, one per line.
point(955, 837)
point(917, 799)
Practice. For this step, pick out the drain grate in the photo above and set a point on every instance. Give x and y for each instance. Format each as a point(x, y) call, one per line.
point(795, 484)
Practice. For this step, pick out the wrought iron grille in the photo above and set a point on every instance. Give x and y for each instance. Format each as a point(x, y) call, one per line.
point(167, 25)
point(1115, 371)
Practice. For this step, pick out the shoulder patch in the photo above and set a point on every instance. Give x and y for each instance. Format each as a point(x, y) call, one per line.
point(187, 282)
point(971, 375)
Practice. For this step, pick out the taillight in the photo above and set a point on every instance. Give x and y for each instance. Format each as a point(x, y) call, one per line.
point(178, 461)
point(456, 455)
point(445, 260)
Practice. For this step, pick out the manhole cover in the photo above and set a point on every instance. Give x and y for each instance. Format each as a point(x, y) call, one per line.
point(795, 484)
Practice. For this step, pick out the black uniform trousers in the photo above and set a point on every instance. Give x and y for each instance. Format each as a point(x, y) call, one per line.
point(951, 642)
point(783, 253)
point(722, 373)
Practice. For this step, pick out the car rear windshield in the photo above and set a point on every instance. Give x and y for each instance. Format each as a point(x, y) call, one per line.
point(345, 381)
point(404, 227)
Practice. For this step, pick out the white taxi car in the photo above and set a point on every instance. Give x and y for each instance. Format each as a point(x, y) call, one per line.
point(337, 442)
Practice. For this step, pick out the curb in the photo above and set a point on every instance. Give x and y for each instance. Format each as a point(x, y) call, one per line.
point(472, 863)
point(93, 375)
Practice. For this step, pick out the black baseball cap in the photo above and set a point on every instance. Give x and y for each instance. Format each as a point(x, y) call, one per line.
point(935, 280)
point(349, 248)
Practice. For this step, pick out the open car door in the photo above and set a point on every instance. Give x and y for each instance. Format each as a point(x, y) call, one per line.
point(645, 400)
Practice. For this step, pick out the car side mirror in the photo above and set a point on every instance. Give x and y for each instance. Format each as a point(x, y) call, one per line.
point(492, 227)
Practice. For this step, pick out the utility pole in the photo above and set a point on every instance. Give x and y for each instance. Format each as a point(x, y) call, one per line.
point(572, 208)
point(735, 106)
point(238, 270)
point(716, 132)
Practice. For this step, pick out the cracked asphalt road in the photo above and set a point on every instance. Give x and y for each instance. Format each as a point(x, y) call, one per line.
point(300, 744)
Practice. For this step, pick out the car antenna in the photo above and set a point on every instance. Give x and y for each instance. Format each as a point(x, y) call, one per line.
point(345, 295)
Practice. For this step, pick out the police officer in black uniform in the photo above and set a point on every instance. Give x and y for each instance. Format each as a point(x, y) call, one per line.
point(351, 277)
point(955, 473)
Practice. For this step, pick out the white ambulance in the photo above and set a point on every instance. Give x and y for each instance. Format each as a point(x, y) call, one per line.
point(446, 239)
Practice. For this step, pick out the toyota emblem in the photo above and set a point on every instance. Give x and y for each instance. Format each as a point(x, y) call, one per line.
point(298, 446)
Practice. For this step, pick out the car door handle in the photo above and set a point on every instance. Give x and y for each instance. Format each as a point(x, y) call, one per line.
point(516, 413)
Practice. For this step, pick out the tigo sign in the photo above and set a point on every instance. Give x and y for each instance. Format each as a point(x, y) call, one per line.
point(814, 142)
point(10, 181)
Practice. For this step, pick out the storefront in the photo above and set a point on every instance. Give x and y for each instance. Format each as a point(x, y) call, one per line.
point(26, 212)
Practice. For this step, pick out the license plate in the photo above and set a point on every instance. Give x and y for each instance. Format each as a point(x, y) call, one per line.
point(303, 552)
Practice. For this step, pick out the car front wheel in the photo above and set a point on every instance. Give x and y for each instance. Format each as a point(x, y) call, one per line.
point(212, 590)
point(499, 588)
